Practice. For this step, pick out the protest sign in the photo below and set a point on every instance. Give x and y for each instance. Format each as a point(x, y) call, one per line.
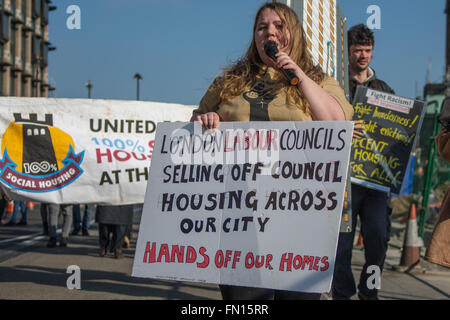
point(79, 150)
point(379, 160)
point(252, 204)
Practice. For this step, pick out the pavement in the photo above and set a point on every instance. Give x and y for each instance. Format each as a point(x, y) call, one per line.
point(31, 271)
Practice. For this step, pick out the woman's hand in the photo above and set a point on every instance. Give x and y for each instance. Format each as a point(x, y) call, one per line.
point(323, 106)
point(285, 62)
point(358, 129)
point(209, 120)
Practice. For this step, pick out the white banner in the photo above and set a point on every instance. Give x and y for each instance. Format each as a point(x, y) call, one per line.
point(79, 150)
point(252, 204)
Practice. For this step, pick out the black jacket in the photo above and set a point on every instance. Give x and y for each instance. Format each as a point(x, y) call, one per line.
point(114, 214)
point(373, 83)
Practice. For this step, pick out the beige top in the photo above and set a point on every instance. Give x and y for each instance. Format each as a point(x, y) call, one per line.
point(260, 104)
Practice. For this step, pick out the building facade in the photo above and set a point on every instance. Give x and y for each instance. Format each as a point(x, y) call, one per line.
point(24, 47)
point(325, 29)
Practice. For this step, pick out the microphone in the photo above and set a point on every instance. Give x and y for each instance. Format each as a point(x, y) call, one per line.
point(270, 48)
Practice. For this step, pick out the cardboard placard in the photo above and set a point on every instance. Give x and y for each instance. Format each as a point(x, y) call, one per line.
point(380, 158)
point(252, 204)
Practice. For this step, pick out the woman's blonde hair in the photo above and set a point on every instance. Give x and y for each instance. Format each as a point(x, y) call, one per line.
point(242, 74)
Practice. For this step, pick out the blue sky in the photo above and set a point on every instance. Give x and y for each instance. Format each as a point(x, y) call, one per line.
point(179, 46)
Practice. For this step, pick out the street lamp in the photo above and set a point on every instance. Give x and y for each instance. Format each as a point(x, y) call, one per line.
point(89, 87)
point(138, 78)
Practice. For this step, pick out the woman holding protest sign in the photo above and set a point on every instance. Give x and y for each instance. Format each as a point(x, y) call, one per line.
point(276, 80)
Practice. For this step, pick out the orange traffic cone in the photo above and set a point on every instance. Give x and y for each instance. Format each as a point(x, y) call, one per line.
point(30, 205)
point(10, 207)
point(411, 252)
point(360, 242)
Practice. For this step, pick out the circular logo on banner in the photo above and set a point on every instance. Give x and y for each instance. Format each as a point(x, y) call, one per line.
point(38, 157)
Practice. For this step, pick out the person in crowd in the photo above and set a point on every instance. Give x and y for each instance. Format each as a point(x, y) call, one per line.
point(112, 225)
point(44, 218)
point(360, 51)
point(52, 211)
point(127, 238)
point(81, 224)
point(4, 199)
point(372, 206)
point(255, 89)
point(19, 207)
point(438, 250)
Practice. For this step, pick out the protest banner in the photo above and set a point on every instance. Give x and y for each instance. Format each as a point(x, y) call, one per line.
point(380, 158)
point(79, 150)
point(251, 204)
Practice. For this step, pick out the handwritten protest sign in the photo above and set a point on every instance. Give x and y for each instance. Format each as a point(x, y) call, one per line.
point(380, 159)
point(253, 204)
point(79, 150)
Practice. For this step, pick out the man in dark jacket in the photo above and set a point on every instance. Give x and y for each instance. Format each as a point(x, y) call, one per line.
point(372, 206)
point(113, 220)
point(360, 50)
